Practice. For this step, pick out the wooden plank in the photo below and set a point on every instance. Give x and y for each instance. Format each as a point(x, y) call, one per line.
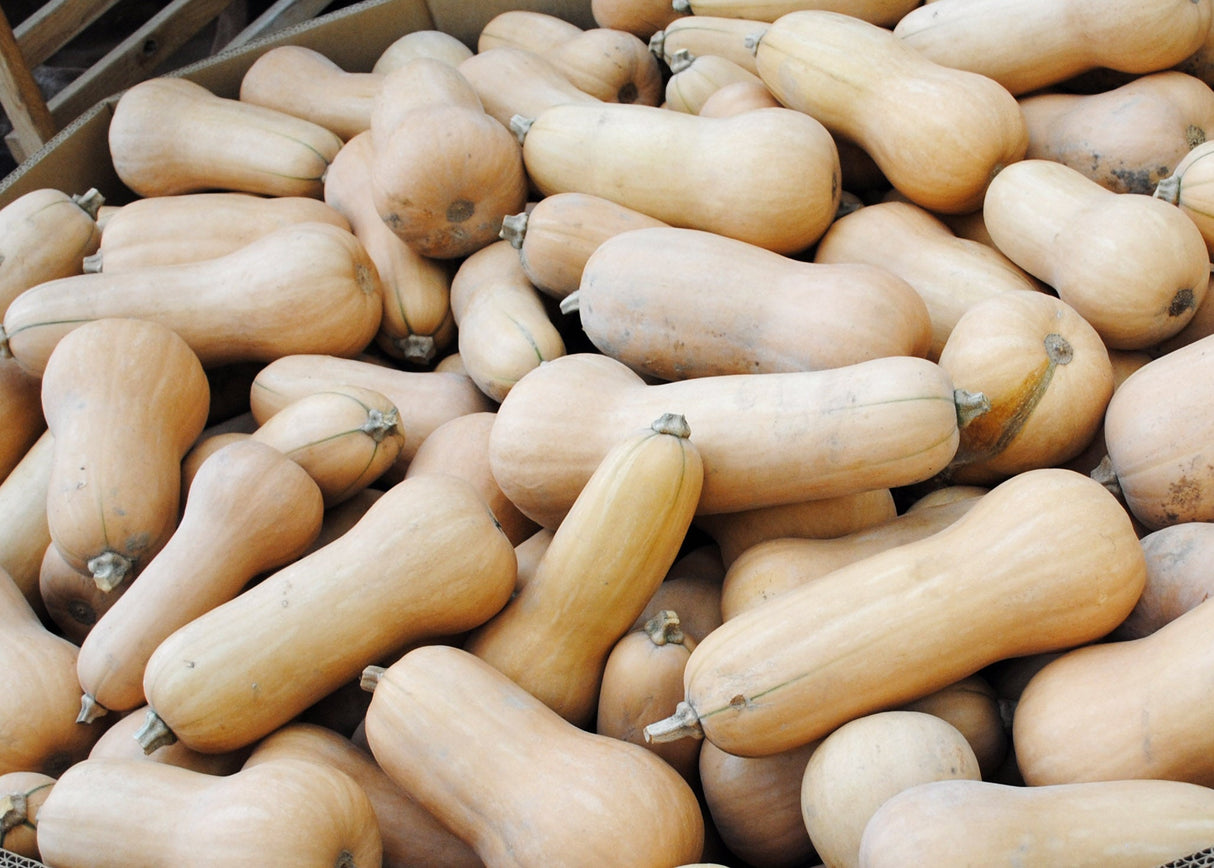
point(55, 25)
point(21, 97)
point(283, 13)
point(136, 57)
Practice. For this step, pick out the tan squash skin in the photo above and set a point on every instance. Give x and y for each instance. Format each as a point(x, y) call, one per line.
point(410, 834)
point(425, 399)
point(769, 177)
point(196, 226)
point(426, 560)
point(304, 83)
point(119, 742)
point(460, 446)
point(417, 322)
point(38, 729)
point(1126, 139)
point(513, 81)
point(938, 134)
point(640, 17)
point(1178, 577)
point(606, 559)
point(21, 409)
point(665, 301)
point(1055, 542)
point(692, 588)
point(21, 797)
point(444, 173)
point(250, 509)
point(642, 682)
point(556, 236)
point(777, 565)
point(170, 135)
point(950, 273)
point(304, 814)
point(695, 78)
point(504, 328)
point(1119, 710)
point(824, 446)
point(72, 600)
point(483, 756)
point(437, 44)
point(45, 234)
point(883, 12)
point(1119, 824)
point(817, 518)
point(24, 529)
point(755, 804)
point(972, 706)
point(1027, 46)
point(703, 34)
point(345, 438)
point(305, 288)
point(1154, 433)
point(528, 29)
point(611, 65)
point(1189, 187)
point(124, 399)
point(1047, 375)
point(1058, 225)
point(866, 761)
point(743, 96)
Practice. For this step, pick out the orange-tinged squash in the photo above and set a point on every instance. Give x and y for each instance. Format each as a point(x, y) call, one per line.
point(45, 234)
point(640, 17)
point(72, 600)
point(24, 528)
point(21, 409)
point(883, 12)
point(118, 742)
point(21, 796)
point(514, 81)
point(692, 589)
point(1178, 577)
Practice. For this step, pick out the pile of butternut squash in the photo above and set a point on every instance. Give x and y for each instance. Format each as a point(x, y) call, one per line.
point(742, 434)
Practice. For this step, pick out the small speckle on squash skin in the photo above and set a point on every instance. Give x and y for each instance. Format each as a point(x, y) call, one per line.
point(460, 210)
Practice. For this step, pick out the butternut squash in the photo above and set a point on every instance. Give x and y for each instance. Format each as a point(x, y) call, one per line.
point(769, 177)
point(480, 753)
point(305, 288)
point(45, 234)
point(606, 559)
point(788, 672)
point(21, 407)
point(694, 78)
point(686, 318)
point(883, 12)
point(1027, 47)
point(169, 135)
point(529, 29)
point(72, 600)
point(702, 34)
point(824, 445)
point(938, 134)
point(1112, 823)
point(973, 707)
point(427, 559)
point(692, 589)
point(640, 17)
point(250, 509)
point(118, 742)
point(24, 529)
point(427, 42)
point(1058, 225)
point(124, 399)
point(1177, 578)
point(21, 797)
point(320, 816)
point(742, 96)
point(514, 81)
point(1188, 187)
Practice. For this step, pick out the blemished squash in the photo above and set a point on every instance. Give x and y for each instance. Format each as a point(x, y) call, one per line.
point(194, 226)
point(694, 78)
point(883, 12)
point(824, 444)
point(939, 134)
point(1027, 46)
point(687, 319)
point(1189, 188)
point(21, 409)
point(608, 556)
point(1058, 224)
point(1178, 578)
point(169, 135)
point(72, 600)
point(755, 804)
point(443, 171)
point(304, 288)
point(950, 273)
point(38, 692)
point(704, 34)
point(1111, 824)
point(557, 234)
point(503, 327)
point(427, 559)
point(867, 760)
point(787, 672)
point(24, 529)
point(21, 796)
point(410, 834)
point(1117, 710)
point(301, 813)
point(118, 742)
point(417, 322)
point(250, 509)
point(1048, 378)
point(481, 754)
point(1126, 139)
point(437, 44)
point(124, 399)
point(769, 176)
point(609, 64)
point(305, 83)
point(45, 234)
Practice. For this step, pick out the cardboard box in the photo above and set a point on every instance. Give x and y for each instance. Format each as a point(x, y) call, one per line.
point(354, 37)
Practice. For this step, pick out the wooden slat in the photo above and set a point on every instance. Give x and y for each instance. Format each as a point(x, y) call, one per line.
point(283, 13)
point(55, 25)
point(19, 94)
point(136, 57)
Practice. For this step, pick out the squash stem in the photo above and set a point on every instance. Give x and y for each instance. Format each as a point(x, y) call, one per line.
point(109, 569)
point(970, 405)
point(417, 349)
point(91, 264)
point(672, 423)
point(14, 810)
point(514, 229)
point(90, 709)
point(571, 303)
point(370, 678)
point(378, 423)
point(154, 733)
point(519, 125)
point(90, 201)
point(684, 723)
point(1168, 189)
point(664, 628)
point(1106, 476)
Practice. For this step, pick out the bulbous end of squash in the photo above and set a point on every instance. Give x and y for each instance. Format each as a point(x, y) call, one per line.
point(154, 733)
point(684, 723)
